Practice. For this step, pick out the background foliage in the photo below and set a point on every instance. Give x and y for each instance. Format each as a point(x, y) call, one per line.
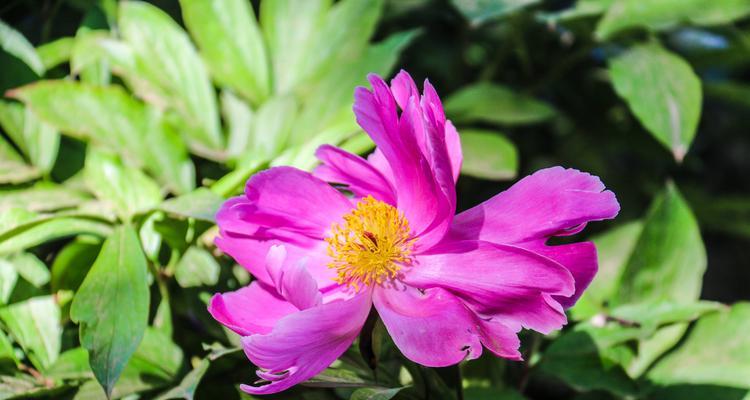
point(124, 125)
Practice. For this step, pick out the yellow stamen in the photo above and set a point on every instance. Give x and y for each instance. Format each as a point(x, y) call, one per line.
point(371, 245)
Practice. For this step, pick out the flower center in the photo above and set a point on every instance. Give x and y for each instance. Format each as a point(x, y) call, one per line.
point(371, 245)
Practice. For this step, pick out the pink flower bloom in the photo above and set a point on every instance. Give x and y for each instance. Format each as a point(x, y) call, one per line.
point(443, 285)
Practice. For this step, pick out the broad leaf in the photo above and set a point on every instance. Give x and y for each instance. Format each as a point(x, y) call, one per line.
point(479, 11)
point(662, 91)
point(108, 116)
point(127, 189)
point(170, 72)
point(189, 384)
point(35, 325)
point(488, 155)
point(715, 353)
point(669, 258)
point(16, 44)
point(375, 393)
point(664, 14)
point(197, 267)
point(111, 306)
point(614, 249)
point(200, 204)
point(231, 44)
point(55, 52)
point(42, 197)
point(37, 140)
point(72, 263)
point(497, 104)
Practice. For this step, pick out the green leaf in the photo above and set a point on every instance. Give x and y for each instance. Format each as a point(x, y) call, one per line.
point(662, 91)
point(128, 190)
point(31, 269)
point(72, 364)
point(38, 230)
point(665, 14)
point(8, 278)
point(308, 37)
point(35, 326)
point(153, 366)
point(42, 197)
point(16, 44)
point(55, 52)
point(586, 358)
point(493, 103)
point(239, 120)
point(108, 116)
point(170, 72)
point(329, 101)
point(200, 204)
point(189, 384)
point(12, 167)
point(231, 45)
point(6, 349)
point(375, 393)
point(37, 140)
point(272, 125)
point(197, 267)
point(669, 258)
point(614, 249)
point(714, 353)
point(111, 306)
point(488, 155)
point(480, 11)
point(72, 263)
point(481, 393)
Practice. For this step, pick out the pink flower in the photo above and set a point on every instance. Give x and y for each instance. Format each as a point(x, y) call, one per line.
point(443, 285)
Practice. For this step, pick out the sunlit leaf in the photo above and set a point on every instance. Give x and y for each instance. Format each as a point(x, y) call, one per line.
point(231, 44)
point(662, 91)
point(197, 267)
point(714, 353)
point(35, 325)
point(16, 44)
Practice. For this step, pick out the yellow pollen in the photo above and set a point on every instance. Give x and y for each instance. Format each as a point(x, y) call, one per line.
point(371, 245)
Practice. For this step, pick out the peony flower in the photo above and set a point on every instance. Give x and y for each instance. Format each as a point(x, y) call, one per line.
point(444, 285)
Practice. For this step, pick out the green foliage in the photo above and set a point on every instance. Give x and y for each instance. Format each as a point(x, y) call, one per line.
point(125, 124)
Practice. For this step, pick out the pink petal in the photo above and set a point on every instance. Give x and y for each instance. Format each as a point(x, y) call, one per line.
point(432, 328)
point(579, 258)
point(418, 194)
point(403, 88)
point(254, 309)
point(550, 202)
point(291, 279)
point(453, 144)
point(361, 177)
point(500, 339)
point(284, 197)
point(303, 344)
point(506, 282)
point(276, 210)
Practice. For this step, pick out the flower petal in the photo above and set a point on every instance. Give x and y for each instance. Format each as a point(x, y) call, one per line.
point(291, 279)
point(433, 328)
point(276, 210)
point(284, 197)
point(579, 258)
point(509, 283)
point(418, 193)
point(361, 178)
point(550, 202)
point(303, 344)
point(254, 309)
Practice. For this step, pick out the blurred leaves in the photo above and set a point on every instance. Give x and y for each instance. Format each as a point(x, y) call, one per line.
point(496, 104)
point(488, 155)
